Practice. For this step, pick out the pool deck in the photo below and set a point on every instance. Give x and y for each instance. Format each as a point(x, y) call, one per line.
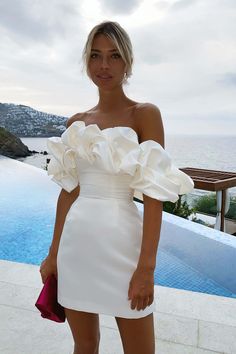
point(186, 322)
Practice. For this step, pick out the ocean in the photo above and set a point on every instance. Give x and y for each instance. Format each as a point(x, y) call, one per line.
point(197, 151)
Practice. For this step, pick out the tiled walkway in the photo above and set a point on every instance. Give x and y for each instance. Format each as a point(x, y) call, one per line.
point(186, 322)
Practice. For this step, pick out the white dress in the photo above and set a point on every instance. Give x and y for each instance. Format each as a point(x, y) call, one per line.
point(101, 239)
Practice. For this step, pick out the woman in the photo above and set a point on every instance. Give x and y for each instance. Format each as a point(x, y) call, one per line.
point(103, 252)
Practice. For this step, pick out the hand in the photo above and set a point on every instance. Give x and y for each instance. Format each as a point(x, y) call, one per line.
point(48, 267)
point(141, 289)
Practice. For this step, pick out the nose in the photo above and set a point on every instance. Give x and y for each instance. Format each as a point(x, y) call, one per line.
point(104, 63)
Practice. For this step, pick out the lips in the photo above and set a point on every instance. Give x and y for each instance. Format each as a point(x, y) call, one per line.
point(104, 76)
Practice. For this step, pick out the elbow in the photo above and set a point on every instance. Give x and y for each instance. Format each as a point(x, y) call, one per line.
point(69, 196)
point(152, 202)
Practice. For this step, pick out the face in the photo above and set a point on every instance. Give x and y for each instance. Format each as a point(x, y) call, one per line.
point(106, 66)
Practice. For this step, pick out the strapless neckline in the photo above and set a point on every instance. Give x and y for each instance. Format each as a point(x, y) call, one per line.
point(108, 128)
point(116, 150)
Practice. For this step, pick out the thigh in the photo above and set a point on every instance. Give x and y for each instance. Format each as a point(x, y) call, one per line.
point(84, 326)
point(137, 335)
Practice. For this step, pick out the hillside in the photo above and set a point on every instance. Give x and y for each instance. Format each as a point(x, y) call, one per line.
point(24, 121)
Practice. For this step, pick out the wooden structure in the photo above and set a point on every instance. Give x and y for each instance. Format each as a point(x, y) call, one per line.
point(215, 181)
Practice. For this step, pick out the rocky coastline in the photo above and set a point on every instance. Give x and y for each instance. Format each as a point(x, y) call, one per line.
point(12, 146)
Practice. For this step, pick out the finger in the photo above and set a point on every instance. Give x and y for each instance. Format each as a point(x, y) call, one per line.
point(134, 303)
point(140, 304)
point(143, 304)
point(151, 298)
point(130, 292)
point(43, 276)
point(137, 303)
point(41, 269)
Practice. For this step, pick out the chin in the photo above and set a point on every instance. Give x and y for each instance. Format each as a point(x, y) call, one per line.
point(107, 85)
point(112, 83)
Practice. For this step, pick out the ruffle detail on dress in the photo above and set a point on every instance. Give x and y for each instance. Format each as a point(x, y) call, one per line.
point(156, 176)
point(118, 151)
point(63, 164)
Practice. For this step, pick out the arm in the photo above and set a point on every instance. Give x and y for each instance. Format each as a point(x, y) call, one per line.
point(141, 289)
point(151, 128)
point(64, 202)
point(152, 219)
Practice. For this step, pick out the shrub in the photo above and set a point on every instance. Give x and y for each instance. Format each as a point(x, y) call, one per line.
point(207, 204)
point(178, 208)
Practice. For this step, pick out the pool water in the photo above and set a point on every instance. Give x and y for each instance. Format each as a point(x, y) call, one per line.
point(173, 272)
point(27, 215)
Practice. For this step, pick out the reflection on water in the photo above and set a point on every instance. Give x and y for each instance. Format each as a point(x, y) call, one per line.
point(27, 211)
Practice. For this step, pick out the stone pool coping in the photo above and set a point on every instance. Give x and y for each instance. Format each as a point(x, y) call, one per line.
point(186, 322)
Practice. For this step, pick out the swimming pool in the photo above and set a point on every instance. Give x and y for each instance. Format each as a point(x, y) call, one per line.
point(27, 215)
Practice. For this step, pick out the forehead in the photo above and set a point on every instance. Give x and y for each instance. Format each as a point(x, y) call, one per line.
point(102, 42)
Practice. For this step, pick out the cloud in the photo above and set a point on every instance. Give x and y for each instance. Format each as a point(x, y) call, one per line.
point(162, 4)
point(228, 79)
point(168, 41)
point(184, 56)
point(182, 4)
point(189, 38)
point(227, 3)
point(41, 45)
point(27, 22)
point(120, 7)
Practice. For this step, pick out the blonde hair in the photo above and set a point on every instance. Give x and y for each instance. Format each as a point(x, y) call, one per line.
point(121, 40)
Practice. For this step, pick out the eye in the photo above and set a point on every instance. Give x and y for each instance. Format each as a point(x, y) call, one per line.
point(116, 56)
point(94, 55)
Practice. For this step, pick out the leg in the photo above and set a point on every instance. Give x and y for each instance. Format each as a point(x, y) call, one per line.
point(137, 335)
point(85, 330)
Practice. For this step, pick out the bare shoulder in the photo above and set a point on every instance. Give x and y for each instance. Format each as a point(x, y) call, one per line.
point(75, 117)
point(149, 122)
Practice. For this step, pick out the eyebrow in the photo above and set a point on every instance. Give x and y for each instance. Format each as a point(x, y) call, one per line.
point(99, 51)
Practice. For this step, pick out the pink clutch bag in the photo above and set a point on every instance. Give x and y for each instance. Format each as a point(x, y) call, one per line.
point(47, 301)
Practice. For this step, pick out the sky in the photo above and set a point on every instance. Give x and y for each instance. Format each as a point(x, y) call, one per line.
point(184, 58)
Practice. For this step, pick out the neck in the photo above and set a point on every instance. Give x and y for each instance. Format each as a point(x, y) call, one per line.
point(110, 101)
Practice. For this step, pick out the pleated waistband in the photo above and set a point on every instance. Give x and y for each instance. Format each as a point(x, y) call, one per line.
point(102, 185)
